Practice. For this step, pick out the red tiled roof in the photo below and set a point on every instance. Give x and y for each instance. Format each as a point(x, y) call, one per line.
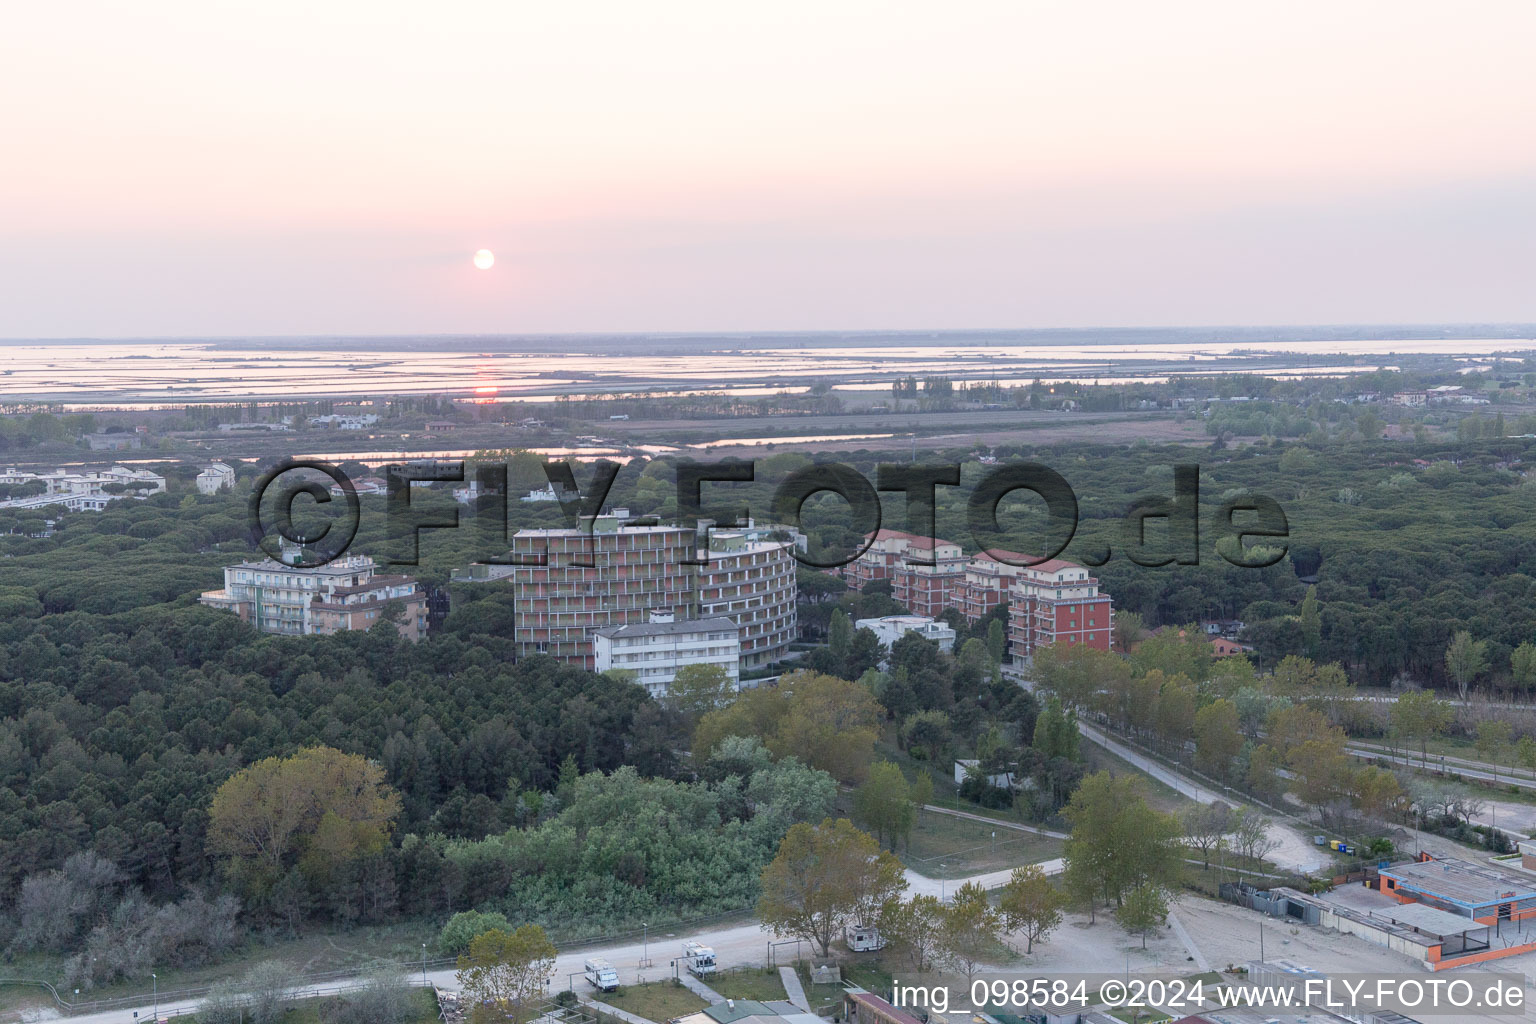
point(1055, 564)
point(892, 534)
point(1015, 558)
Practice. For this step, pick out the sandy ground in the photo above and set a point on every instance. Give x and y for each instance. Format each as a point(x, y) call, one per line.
point(1296, 851)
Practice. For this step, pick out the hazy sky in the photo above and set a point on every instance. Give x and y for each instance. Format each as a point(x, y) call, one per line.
point(208, 168)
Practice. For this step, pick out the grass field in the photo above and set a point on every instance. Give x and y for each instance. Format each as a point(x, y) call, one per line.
point(866, 974)
point(760, 983)
point(655, 1000)
point(312, 1011)
point(944, 846)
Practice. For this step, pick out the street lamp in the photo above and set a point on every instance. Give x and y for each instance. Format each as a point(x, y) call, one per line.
point(423, 965)
point(645, 944)
point(155, 987)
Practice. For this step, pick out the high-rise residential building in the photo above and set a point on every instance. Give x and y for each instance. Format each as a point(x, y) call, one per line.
point(928, 576)
point(750, 578)
point(655, 650)
point(745, 574)
point(880, 559)
point(630, 570)
point(1057, 602)
point(986, 583)
point(343, 594)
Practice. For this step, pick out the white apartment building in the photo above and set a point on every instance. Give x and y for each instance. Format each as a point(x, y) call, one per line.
point(344, 594)
point(345, 421)
point(217, 477)
point(83, 491)
point(655, 650)
point(890, 628)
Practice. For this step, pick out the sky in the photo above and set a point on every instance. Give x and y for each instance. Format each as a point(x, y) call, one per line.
point(219, 169)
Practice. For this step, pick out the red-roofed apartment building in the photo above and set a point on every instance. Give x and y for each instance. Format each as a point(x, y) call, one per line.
point(1057, 602)
point(880, 559)
point(1053, 602)
point(987, 582)
point(929, 576)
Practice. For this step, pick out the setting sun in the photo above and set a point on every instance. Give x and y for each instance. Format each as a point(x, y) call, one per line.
point(485, 259)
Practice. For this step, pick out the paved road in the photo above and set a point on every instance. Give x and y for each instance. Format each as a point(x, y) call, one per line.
point(1460, 765)
point(790, 979)
point(1517, 820)
point(1016, 826)
point(1295, 852)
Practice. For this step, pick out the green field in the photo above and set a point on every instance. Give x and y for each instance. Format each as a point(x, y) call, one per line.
point(655, 1000)
point(760, 983)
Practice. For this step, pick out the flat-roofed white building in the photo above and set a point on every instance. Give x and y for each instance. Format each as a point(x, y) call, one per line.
point(890, 628)
point(655, 650)
point(217, 477)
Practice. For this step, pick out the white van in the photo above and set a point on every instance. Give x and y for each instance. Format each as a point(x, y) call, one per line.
point(601, 974)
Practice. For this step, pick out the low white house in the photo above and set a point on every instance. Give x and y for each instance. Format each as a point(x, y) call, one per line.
point(965, 766)
point(655, 650)
point(890, 628)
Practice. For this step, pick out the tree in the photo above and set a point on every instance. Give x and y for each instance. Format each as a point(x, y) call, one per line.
point(320, 808)
point(883, 804)
point(1117, 839)
point(825, 722)
point(1419, 715)
point(1311, 623)
point(829, 723)
point(1143, 911)
point(1183, 651)
point(997, 641)
point(1206, 827)
point(1217, 738)
point(1127, 631)
point(462, 928)
point(1525, 754)
point(839, 633)
point(384, 998)
point(1322, 772)
point(1031, 904)
point(1375, 792)
point(1522, 666)
point(913, 929)
point(699, 688)
point(1076, 672)
point(1465, 660)
point(922, 792)
point(825, 877)
point(1290, 725)
point(1493, 743)
point(1263, 775)
point(1251, 835)
point(505, 972)
point(1176, 711)
point(970, 929)
point(268, 992)
point(1056, 732)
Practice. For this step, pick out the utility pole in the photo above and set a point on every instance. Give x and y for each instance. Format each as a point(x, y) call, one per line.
point(1261, 942)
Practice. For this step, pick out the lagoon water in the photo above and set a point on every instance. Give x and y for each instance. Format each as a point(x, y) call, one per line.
point(89, 374)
